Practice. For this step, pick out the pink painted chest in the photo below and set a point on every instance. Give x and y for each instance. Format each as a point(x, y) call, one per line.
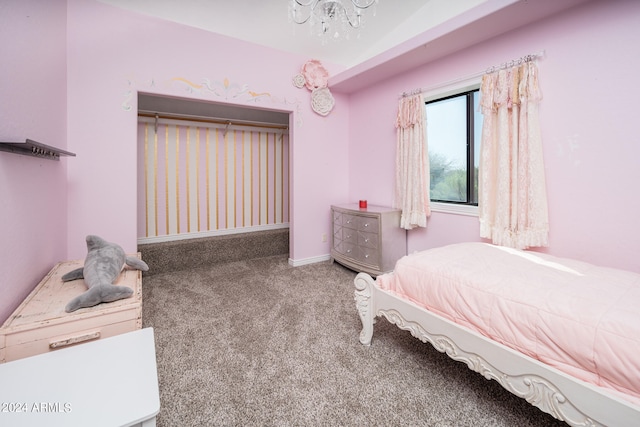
point(40, 324)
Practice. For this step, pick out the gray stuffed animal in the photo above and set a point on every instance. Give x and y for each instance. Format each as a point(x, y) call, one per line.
point(102, 266)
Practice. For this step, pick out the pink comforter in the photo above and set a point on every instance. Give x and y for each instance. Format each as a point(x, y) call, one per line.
point(582, 319)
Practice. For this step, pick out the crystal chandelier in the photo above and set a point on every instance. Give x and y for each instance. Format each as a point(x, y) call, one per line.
point(330, 18)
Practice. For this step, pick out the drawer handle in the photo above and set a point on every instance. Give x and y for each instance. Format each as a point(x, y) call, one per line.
point(74, 340)
point(348, 221)
point(348, 236)
point(366, 256)
point(366, 224)
point(348, 251)
point(366, 240)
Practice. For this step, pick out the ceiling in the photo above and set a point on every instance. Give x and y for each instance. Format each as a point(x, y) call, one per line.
point(266, 22)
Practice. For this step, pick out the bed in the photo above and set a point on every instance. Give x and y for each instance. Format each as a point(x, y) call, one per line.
point(562, 334)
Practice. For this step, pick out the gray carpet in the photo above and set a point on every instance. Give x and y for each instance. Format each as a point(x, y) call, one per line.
point(189, 253)
point(261, 343)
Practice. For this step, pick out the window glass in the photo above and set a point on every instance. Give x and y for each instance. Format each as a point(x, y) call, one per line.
point(454, 176)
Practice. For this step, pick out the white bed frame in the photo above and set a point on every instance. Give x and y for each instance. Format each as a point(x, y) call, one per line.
point(566, 398)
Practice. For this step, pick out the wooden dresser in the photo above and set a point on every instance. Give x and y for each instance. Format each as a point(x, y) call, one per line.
point(40, 324)
point(367, 240)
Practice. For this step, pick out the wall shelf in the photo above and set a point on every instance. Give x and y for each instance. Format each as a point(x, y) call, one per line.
point(33, 148)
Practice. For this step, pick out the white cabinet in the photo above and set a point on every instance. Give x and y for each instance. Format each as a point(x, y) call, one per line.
point(109, 382)
point(367, 239)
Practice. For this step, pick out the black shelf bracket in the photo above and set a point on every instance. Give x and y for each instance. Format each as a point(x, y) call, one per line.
point(33, 148)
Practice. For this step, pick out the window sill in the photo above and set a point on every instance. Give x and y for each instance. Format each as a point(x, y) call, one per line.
point(453, 208)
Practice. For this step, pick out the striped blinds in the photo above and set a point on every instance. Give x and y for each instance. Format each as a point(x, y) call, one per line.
point(201, 179)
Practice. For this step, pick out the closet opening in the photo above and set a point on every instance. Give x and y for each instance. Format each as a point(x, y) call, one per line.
point(207, 169)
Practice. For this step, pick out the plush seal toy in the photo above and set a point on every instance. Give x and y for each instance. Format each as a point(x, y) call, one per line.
point(102, 266)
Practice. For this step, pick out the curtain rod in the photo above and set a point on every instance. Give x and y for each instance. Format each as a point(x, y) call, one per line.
point(203, 119)
point(489, 70)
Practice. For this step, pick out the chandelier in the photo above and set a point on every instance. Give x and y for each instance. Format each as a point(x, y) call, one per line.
point(330, 18)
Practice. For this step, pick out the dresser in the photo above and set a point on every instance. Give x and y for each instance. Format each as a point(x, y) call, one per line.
point(367, 239)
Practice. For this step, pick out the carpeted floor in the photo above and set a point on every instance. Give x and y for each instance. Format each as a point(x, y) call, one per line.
point(261, 343)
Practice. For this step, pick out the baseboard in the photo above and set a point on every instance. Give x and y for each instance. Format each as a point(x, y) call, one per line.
point(305, 261)
point(213, 233)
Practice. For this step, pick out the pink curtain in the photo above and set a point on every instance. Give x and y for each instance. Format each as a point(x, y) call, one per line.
point(412, 163)
point(512, 197)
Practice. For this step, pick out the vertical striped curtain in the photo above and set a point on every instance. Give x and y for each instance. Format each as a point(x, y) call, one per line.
point(202, 179)
point(512, 198)
point(412, 163)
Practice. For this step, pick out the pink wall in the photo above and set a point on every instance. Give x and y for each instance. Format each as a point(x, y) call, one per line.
point(588, 78)
point(33, 207)
point(113, 54)
point(72, 70)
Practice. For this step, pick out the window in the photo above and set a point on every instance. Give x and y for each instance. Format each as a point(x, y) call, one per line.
point(454, 127)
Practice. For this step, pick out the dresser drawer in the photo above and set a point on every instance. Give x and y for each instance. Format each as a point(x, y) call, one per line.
point(368, 240)
point(368, 256)
point(362, 223)
point(355, 253)
point(343, 235)
point(344, 248)
point(350, 235)
point(368, 224)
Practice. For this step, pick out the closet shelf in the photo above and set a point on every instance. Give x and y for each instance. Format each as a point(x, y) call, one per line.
point(33, 148)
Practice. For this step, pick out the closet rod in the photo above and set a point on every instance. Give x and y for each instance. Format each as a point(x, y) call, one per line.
point(202, 119)
point(502, 66)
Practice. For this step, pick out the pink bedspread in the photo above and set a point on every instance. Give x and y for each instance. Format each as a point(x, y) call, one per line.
point(582, 319)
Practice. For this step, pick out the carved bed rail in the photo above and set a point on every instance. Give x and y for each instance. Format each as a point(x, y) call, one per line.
point(566, 398)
